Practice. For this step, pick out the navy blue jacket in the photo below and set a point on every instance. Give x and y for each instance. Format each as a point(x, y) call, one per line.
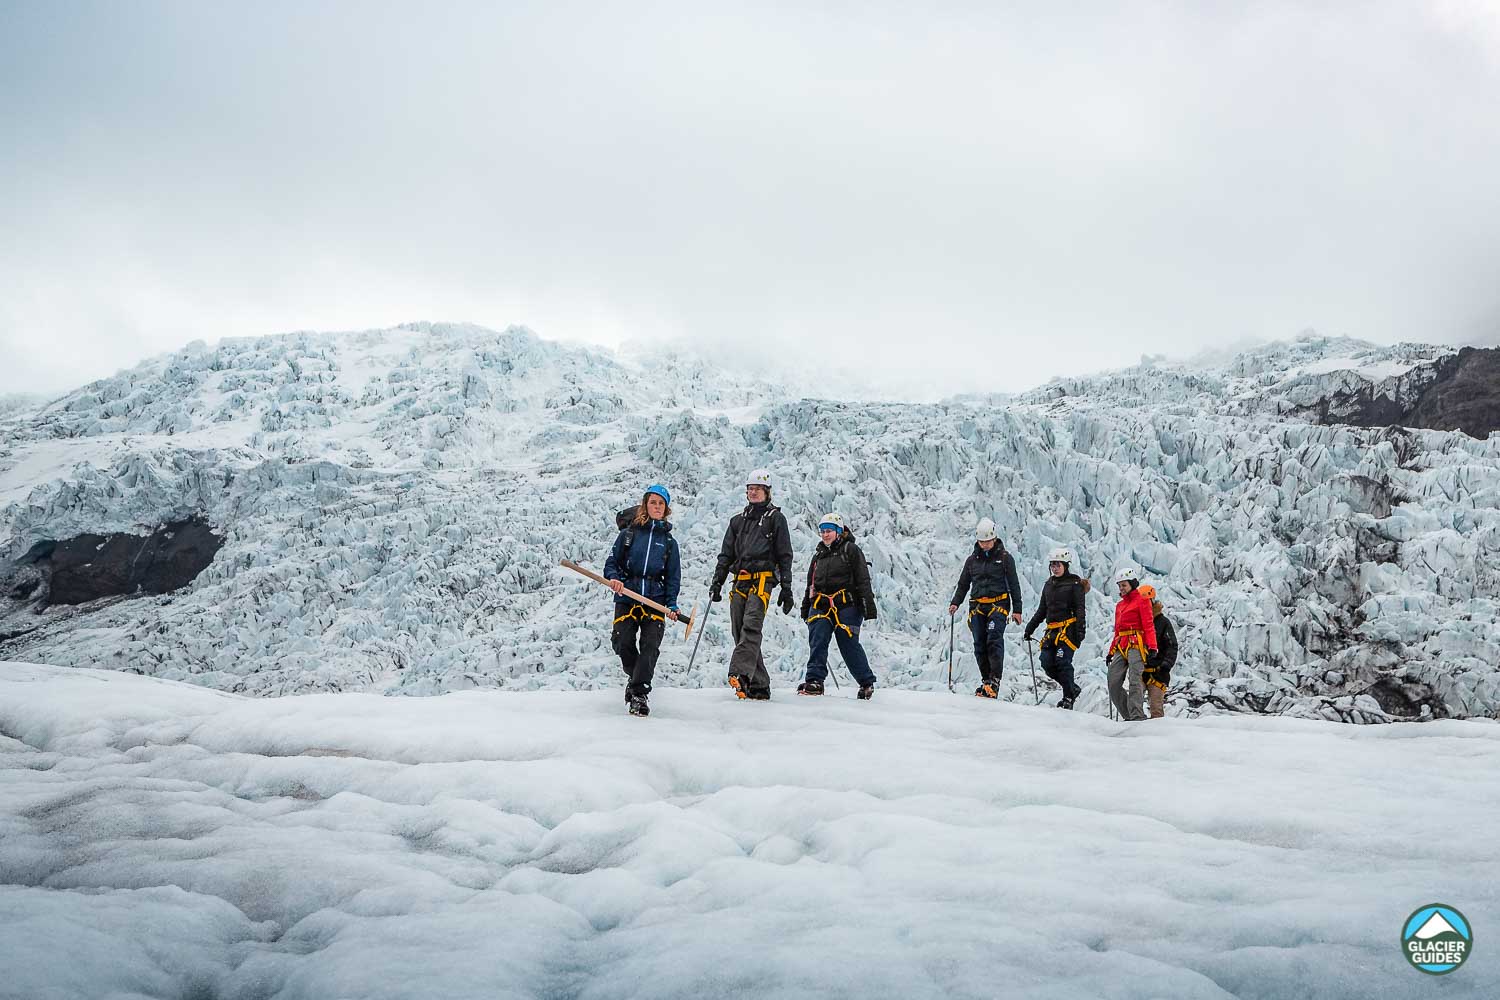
point(651, 568)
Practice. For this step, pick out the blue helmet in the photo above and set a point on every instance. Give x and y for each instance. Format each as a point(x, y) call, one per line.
point(660, 491)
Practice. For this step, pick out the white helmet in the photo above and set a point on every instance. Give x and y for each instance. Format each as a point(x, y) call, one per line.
point(1130, 573)
point(1062, 555)
point(834, 518)
point(985, 530)
point(760, 477)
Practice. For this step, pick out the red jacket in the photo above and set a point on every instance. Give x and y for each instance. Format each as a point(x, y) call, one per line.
point(1134, 612)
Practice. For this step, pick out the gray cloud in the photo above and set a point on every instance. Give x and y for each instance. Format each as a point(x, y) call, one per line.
point(959, 198)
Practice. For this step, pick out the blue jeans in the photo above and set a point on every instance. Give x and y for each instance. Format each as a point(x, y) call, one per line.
point(1057, 663)
point(821, 630)
point(989, 644)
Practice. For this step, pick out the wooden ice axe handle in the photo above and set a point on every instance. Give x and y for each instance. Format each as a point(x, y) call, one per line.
point(689, 618)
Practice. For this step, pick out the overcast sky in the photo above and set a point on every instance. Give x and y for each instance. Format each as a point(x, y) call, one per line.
point(963, 195)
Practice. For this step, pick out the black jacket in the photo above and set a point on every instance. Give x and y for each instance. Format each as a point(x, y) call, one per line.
point(756, 540)
point(1062, 598)
point(840, 571)
point(990, 574)
point(1160, 666)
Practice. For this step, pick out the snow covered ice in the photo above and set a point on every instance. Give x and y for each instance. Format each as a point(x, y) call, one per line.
point(394, 505)
point(165, 840)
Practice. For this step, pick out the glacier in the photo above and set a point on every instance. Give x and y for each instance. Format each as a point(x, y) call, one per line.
point(394, 505)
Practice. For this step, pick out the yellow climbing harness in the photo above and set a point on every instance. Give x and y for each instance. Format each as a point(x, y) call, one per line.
point(1123, 642)
point(1058, 632)
point(832, 614)
point(759, 588)
point(638, 611)
point(987, 606)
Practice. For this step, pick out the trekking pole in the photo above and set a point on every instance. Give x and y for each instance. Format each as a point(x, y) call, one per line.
point(832, 641)
point(1029, 659)
point(1109, 695)
point(950, 652)
point(708, 609)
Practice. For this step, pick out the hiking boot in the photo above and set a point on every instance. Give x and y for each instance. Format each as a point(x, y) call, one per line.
point(738, 683)
point(1067, 701)
point(639, 707)
point(758, 694)
point(866, 692)
point(987, 690)
point(810, 688)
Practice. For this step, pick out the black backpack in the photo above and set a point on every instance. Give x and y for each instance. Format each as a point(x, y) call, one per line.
point(625, 521)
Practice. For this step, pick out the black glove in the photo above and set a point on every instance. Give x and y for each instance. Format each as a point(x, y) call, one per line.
point(717, 593)
point(806, 609)
point(784, 602)
point(869, 610)
point(1026, 637)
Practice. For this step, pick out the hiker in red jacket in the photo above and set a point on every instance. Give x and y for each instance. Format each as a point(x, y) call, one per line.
point(1133, 642)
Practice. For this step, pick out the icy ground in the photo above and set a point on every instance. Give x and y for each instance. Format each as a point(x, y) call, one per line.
point(165, 840)
point(394, 505)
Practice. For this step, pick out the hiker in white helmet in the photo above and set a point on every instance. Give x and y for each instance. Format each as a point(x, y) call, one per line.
point(757, 549)
point(1134, 642)
point(838, 600)
point(1062, 605)
point(996, 596)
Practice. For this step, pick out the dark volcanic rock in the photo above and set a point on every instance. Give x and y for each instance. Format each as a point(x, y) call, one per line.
point(1460, 392)
point(89, 567)
point(1465, 396)
point(1405, 699)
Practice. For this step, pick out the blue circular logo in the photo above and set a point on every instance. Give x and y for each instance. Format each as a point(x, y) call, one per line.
point(1436, 939)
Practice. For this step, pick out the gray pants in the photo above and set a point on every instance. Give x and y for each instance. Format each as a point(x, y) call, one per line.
point(747, 618)
point(1122, 669)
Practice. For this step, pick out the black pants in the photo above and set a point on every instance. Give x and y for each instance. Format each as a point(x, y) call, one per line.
point(637, 640)
point(989, 643)
point(1057, 663)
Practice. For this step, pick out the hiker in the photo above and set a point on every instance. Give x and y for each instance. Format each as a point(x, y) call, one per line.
point(645, 560)
point(757, 549)
point(991, 572)
point(837, 601)
point(1158, 672)
point(1133, 642)
point(1062, 605)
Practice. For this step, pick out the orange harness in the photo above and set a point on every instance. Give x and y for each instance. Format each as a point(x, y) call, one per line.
point(1125, 639)
point(638, 611)
point(832, 614)
point(987, 606)
point(759, 589)
point(1058, 632)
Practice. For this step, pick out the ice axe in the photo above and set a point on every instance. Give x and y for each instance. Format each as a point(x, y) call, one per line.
point(691, 618)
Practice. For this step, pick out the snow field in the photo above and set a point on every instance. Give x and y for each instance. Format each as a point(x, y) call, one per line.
point(160, 839)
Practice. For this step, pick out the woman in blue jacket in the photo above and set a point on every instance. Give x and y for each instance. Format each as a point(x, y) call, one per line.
point(644, 559)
